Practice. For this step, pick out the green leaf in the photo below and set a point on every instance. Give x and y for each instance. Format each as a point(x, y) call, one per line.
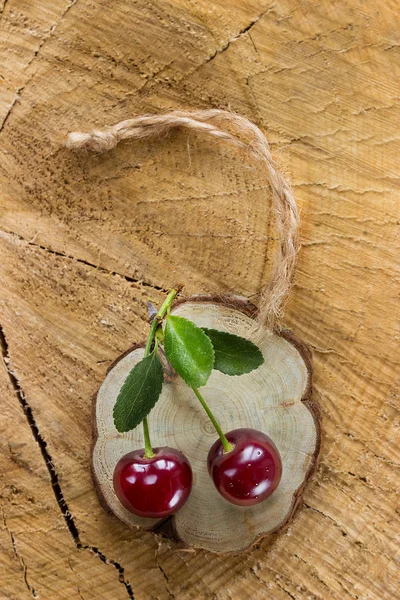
point(139, 393)
point(189, 350)
point(234, 355)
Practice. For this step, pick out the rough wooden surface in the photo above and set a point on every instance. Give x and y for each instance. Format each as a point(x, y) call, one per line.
point(85, 241)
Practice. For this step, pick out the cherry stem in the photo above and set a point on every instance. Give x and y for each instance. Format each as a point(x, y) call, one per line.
point(166, 305)
point(227, 446)
point(148, 449)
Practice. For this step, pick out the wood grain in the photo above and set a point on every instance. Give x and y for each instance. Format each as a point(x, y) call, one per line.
point(86, 241)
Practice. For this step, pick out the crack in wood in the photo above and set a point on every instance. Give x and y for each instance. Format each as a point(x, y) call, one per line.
point(19, 557)
point(28, 585)
point(210, 58)
point(319, 36)
point(276, 581)
point(69, 521)
point(3, 7)
point(318, 578)
point(280, 586)
point(359, 543)
point(252, 41)
point(386, 460)
point(82, 261)
point(51, 31)
point(114, 563)
point(76, 574)
point(314, 572)
point(8, 113)
point(326, 517)
point(152, 76)
point(62, 504)
point(228, 42)
point(170, 594)
point(242, 32)
point(34, 56)
point(10, 533)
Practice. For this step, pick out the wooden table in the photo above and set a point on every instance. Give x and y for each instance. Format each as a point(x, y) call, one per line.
point(86, 240)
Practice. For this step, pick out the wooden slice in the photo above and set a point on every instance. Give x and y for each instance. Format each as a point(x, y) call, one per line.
point(275, 398)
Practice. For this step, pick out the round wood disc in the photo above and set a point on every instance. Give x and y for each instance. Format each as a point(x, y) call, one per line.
point(275, 398)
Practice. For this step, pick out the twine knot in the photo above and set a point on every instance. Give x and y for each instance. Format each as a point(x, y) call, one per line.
point(96, 140)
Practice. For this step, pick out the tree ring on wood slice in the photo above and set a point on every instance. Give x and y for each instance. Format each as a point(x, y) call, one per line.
point(275, 398)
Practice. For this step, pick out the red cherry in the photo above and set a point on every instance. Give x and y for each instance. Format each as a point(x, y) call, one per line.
point(153, 487)
point(250, 472)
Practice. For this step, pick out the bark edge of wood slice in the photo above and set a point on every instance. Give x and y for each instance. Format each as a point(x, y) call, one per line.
point(276, 398)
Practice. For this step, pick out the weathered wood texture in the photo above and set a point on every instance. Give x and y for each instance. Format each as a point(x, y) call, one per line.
point(86, 240)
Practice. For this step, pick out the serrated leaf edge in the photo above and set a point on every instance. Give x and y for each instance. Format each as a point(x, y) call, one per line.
point(153, 357)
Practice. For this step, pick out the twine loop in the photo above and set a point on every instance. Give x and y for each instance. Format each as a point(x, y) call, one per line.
point(245, 135)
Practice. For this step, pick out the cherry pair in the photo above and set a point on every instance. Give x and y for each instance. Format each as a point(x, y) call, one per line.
point(158, 486)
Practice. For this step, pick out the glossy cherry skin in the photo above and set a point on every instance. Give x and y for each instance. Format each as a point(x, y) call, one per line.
point(250, 472)
point(153, 487)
